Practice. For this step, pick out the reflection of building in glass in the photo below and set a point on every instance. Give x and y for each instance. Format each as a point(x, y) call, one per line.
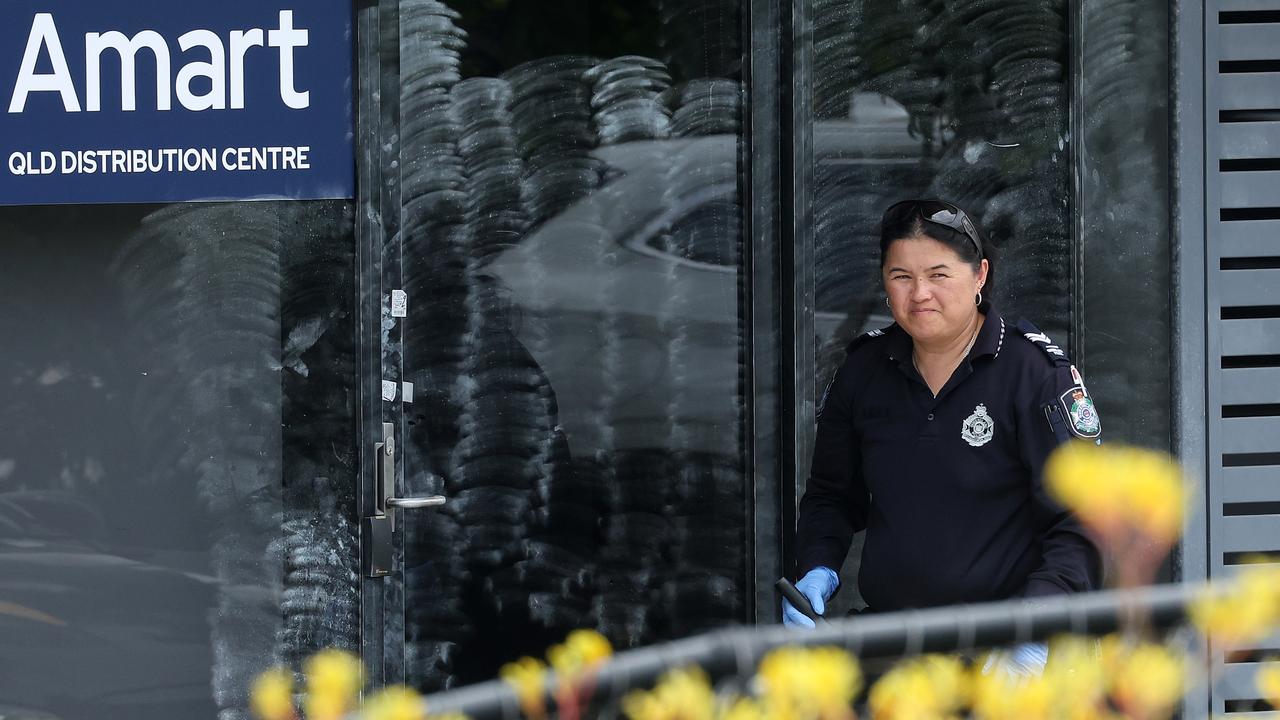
point(572, 237)
point(600, 368)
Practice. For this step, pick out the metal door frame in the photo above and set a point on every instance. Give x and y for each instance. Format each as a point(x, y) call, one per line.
point(378, 271)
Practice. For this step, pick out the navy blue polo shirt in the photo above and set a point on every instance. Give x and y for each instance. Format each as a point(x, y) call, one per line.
point(948, 488)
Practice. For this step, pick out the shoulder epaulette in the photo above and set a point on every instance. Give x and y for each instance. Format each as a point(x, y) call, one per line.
point(864, 338)
point(1042, 341)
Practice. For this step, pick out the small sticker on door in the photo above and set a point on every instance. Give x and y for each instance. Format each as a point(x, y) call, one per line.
point(399, 303)
point(389, 390)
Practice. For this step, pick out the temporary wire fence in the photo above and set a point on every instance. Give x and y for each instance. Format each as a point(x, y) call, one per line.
point(735, 652)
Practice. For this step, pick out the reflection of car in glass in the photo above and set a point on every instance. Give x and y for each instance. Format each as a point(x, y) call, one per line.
point(86, 633)
point(641, 279)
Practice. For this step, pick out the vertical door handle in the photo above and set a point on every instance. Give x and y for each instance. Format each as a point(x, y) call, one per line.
point(377, 529)
point(387, 500)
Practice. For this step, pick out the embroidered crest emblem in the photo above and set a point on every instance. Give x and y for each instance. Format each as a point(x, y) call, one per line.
point(1085, 422)
point(978, 427)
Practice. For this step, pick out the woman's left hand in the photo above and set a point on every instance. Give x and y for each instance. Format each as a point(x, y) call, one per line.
point(1026, 660)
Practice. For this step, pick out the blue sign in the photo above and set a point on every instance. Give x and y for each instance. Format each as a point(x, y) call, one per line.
point(122, 101)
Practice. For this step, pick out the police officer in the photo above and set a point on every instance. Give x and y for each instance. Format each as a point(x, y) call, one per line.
point(932, 437)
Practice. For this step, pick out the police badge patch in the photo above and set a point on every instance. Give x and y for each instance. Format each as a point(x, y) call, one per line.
point(1085, 422)
point(978, 427)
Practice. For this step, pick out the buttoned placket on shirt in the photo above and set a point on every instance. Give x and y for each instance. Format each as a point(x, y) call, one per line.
point(991, 333)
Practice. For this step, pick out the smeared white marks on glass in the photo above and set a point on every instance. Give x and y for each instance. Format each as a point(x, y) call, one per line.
point(54, 375)
point(93, 471)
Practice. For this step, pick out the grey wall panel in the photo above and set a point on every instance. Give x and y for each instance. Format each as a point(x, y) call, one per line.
point(1251, 287)
point(1249, 484)
point(1248, 41)
point(1252, 140)
point(1248, 91)
point(1251, 385)
point(1251, 337)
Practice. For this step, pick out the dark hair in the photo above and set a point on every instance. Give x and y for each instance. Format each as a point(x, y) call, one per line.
point(903, 221)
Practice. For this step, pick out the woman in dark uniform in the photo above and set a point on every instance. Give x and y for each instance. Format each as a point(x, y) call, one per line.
point(932, 437)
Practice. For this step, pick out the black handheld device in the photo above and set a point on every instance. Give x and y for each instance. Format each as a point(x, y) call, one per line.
point(798, 600)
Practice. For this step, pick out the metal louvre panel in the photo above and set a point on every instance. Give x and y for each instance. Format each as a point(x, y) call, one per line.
point(1248, 42)
point(1248, 485)
point(1241, 534)
point(1230, 572)
point(1255, 238)
point(1242, 254)
point(1251, 435)
point(1246, 91)
point(1250, 189)
point(1238, 6)
point(1251, 287)
point(1237, 683)
point(1251, 140)
point(1242, 386)
point(1250, 337)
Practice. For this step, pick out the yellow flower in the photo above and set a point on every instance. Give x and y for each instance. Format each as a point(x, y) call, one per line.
point(1156, 493)
point(583, 650)
point(1001, 695)
point(1075, 675)
point(932, 686)
point(528, 677)
point(394, 703)
point(1112, 487)
point(1149, 681)
point(743, 709)
point(819, 682)
point(1240, 612)
point(272, 695)
point(1076, 476)
point(333, 679)
point(1268, 680)
point(683, 694)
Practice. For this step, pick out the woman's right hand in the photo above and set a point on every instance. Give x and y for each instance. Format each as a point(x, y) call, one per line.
point(817, 585)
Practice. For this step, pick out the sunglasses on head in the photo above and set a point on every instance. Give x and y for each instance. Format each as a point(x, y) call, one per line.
point(940, 212)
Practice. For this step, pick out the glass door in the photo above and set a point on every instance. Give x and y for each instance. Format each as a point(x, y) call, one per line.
point(572, 360)
point(178, 455)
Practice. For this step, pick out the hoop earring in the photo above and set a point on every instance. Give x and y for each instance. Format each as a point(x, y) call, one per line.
point(886, 304)
point(978, 300)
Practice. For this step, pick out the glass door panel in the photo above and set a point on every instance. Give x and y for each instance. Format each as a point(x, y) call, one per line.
point(572, 249)
point(178, 460)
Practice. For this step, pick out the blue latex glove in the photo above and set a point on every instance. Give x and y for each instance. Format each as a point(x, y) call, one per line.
point(817, 585)
point(1026, 660)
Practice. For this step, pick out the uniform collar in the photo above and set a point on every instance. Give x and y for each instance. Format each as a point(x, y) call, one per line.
point(989, 343)
point(991, 337)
